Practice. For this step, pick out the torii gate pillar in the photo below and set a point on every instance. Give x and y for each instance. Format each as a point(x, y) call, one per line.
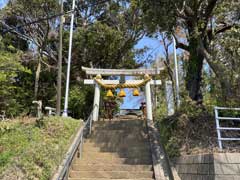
point(148, 101)
point(96, 102)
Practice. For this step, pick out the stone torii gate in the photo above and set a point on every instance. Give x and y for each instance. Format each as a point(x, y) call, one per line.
point(121, 72)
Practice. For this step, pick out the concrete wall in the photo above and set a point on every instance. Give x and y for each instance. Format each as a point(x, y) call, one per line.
point(217, 166)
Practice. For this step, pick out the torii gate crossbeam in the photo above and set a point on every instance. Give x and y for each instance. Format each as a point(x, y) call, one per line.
point(125, 72)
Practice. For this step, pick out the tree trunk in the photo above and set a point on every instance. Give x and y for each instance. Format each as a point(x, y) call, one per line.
point(194, 71)
point(37, 77)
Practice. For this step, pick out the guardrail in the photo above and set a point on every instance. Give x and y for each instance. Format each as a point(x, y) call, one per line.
point(161, 165)
point(76, 148)
point(219, 128)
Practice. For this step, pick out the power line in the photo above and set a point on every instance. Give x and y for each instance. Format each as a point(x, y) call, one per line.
point(37, 21)
point(48, 18)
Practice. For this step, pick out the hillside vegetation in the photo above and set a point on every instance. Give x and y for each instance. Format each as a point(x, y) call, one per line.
point(30, 152)
point(192, 130)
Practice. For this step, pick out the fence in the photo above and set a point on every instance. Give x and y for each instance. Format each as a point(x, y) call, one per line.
point(219, 128)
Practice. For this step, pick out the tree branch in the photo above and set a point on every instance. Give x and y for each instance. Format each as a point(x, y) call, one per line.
point(181, 45)
point(181, 13)
point(211, 34)
point(188, 11)
point(214, 65)
point(223, 29)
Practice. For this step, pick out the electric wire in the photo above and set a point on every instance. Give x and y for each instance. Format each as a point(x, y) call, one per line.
point(47, 18)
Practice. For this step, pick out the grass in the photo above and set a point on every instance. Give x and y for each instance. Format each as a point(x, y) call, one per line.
point(31, 152)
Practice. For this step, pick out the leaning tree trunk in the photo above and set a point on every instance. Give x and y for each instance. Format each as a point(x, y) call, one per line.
point(222, 74)
point(194, 71)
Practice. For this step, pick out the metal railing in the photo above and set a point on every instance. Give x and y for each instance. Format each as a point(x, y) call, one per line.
point(76, 148)
point(219, 128)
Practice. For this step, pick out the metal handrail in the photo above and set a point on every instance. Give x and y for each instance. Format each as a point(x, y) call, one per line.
point(219, 128)
point(77, 146)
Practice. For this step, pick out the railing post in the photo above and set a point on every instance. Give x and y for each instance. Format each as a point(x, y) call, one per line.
point(91, 121)
point(218, 126)
point(90, 127)
point(81, 145)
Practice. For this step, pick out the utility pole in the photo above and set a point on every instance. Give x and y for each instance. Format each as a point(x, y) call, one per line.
point(176, 71)
point(65, 111)
point(59, 78)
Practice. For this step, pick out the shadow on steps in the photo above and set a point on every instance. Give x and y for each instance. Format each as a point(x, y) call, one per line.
point(117, 149)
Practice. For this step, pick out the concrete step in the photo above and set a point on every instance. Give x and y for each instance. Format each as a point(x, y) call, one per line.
point(132, 130)
point(118, 136)
point(122, 154)
point(120, 120)
point(114, 160)
point(115, 145)
point(108, 179)
point(119, 125)
point(120, 132)
point(118, 141)
point(112, 167)
point(108, 147)
point(129, 149)
point(111, 174)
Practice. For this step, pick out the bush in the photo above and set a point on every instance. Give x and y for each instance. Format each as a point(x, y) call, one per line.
point(80, 101)
point(189, 128)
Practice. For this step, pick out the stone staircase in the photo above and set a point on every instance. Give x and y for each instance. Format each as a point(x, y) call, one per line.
point(117, 149)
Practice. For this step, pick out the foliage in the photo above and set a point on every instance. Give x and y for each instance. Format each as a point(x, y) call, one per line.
point(104, 36)
point(34, 152)
point(202, 22)
point(228, 55)
point(107, 33)
point(6, 127)
point(103, 46)
point(80, 101)
point(10, 68)
point(189, 130)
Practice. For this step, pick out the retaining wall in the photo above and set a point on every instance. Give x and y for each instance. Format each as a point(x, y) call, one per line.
point(217, 166)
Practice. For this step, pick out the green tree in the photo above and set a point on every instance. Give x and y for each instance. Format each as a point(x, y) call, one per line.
point(105, 33)
point(225, 54)
point(195, 18)
point(30, 20)
point(10, 68)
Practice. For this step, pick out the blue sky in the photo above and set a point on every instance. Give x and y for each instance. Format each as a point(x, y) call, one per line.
point(2, 3)
point(155, 49)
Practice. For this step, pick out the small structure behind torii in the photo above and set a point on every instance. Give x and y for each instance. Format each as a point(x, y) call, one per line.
point(121, 72)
